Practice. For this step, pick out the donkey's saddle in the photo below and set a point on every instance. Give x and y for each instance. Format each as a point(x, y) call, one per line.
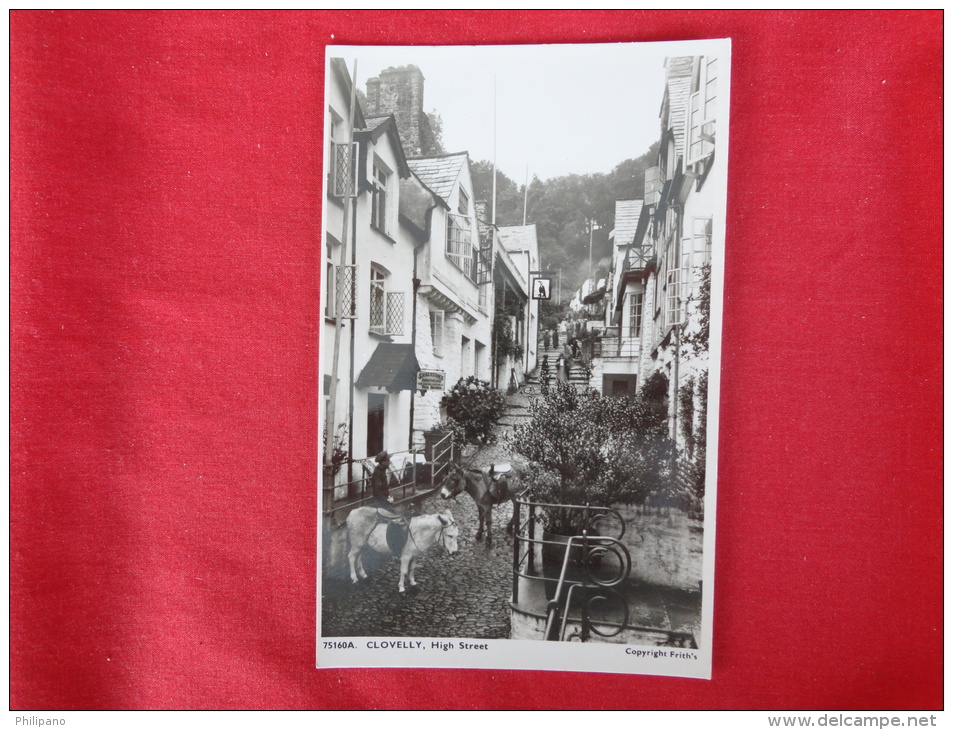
point(497, 471)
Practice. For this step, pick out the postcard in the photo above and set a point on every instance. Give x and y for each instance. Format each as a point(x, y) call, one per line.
point(521, 296)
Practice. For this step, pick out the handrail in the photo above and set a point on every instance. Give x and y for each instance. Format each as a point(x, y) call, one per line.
point(582, 593)
point(404, 480)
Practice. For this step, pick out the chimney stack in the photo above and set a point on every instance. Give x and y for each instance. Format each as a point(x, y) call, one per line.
point(400, 91)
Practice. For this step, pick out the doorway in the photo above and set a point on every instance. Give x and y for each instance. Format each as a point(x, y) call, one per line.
point(375, 423)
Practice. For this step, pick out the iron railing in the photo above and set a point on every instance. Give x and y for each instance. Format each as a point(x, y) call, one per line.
point(613, 346)
point(410, 477)
point(585, 585)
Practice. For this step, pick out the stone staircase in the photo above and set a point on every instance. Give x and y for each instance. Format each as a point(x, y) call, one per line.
point(577, 375)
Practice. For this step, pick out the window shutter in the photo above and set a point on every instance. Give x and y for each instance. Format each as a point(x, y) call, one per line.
point(395, 313)
point(343, 170)
point(347, 279)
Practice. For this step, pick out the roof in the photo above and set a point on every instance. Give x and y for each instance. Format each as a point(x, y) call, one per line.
point(627, 214)
point(416, 201)
point(518, 238)
point(392, 366)
point(439, 173)
point(678, 86)
point(379, 125)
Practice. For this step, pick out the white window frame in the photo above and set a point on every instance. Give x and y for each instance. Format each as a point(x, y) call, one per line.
point(380, 204)
point(701, 111)
point(459, 247)
point(437, 323)
point(636, 307)
point(386, 314)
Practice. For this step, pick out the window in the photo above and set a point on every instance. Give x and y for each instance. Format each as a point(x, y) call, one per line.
point(379, 198)
point(696, 250)
point(344, 278)
point(387, 307)
point(675, 280)
point(673, 298)
point(330, 293)
point(436, 332)
point(463, 202)
point(459, 246)
point(701, 110)
point(636, 300)
point(653, 185)
point(343, 170)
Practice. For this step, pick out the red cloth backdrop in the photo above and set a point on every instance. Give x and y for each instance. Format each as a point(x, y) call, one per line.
point(166, 197)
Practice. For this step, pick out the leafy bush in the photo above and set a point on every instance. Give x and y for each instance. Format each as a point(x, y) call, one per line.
point(584, 448)
point(474, 408)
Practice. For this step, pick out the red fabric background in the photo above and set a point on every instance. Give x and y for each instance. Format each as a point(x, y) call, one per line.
point(166, 197)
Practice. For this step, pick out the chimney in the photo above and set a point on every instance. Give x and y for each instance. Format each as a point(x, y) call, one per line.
point(400, 91)
point(481, 206)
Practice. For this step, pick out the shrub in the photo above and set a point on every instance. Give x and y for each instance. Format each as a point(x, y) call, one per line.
point(584, 448)
point(474, 408)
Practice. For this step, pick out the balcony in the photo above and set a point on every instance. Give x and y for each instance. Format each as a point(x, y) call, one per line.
point(613, 347)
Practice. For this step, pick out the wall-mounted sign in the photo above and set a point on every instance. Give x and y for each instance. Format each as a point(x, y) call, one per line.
point(431, 379)
point(542, 288)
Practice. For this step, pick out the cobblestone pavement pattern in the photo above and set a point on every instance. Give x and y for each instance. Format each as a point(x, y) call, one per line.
point(464, 595)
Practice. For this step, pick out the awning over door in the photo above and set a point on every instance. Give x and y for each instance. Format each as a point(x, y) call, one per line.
point(392, 366)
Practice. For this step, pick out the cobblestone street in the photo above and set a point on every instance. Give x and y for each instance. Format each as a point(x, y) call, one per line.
point(465, 595)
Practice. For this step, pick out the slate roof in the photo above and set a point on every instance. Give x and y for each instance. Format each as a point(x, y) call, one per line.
point(677, 92)
point(626, 220)
point(374, 122)
point(439, 173)
point(518, 238)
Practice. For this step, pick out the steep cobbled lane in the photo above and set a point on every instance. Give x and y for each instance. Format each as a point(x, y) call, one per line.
point(465, 595)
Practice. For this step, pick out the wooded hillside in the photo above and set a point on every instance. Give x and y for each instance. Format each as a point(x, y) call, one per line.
point(561, 208)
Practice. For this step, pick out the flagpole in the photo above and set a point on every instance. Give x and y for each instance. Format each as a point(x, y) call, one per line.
point(525, 193)
point(493, 209)
point(338, 283)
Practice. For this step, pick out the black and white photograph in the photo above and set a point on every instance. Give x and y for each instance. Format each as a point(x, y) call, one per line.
point(521, 287)
point(542, 289)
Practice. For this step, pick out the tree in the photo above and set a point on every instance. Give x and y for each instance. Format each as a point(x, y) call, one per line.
point(433, 142)
point(584, 448)
point(561, 207)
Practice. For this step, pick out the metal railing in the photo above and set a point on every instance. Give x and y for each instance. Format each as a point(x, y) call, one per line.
point(584, 584)
point(410, 476)
point(611, 345)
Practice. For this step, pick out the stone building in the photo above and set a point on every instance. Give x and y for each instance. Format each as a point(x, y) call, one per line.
point(515, 266)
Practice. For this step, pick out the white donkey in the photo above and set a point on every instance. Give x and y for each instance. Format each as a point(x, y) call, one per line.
point(369, 526)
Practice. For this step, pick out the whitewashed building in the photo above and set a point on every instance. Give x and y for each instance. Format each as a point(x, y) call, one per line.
point(367, 356)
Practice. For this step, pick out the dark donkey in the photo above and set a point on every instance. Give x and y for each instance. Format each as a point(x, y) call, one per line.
point(487, 486)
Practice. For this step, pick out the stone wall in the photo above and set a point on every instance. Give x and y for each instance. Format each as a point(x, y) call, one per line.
point(666, 548)
point(400, 91)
